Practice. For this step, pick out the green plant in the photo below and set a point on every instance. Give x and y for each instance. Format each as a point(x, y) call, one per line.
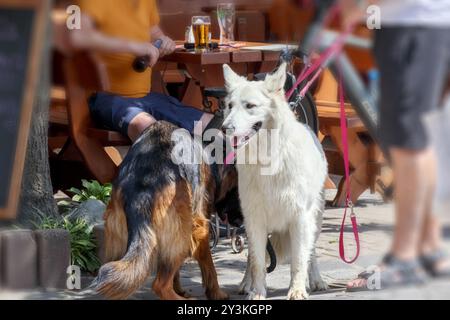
point(92, 190)
point(82, 243)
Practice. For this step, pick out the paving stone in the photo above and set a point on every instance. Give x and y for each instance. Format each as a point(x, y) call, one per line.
point(53, 257)
point(19, 259)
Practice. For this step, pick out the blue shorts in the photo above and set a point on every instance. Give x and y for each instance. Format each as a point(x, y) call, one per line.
point(115, 113)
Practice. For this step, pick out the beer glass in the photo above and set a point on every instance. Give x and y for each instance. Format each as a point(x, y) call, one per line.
point(201, 26)
point(226, 15)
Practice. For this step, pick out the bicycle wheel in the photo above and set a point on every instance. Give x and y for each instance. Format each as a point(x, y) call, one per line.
point(306, 112)
point(213, 236)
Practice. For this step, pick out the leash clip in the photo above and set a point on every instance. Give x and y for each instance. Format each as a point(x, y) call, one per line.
point(351, 206)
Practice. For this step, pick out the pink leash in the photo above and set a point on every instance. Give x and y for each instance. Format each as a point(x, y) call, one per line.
point(230, 158)
point(348, 201)
point(317, 67)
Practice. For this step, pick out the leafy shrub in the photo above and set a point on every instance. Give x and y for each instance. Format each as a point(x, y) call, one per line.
point(82, 243)
point(92, 190)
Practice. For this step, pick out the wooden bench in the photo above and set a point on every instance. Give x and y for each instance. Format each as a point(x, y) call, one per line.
point(83, 75)
point(365, 156)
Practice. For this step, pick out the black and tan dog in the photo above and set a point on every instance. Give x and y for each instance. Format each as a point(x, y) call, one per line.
point(158, 217)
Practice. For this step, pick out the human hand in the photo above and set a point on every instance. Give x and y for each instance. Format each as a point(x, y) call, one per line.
point(145, 49)
point(352, 12)
point(167, 47)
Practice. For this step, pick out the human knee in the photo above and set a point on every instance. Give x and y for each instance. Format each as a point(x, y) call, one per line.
point(139, 124)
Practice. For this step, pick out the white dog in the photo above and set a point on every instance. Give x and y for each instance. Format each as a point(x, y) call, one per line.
point(287, 203)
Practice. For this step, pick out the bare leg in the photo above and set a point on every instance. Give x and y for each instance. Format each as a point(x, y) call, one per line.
point(432, 236)
point(139, 123)
point(431, 230)
point(414, 176)
point(144, 120)
point(413, 186)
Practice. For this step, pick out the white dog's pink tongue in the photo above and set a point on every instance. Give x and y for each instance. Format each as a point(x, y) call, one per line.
point(230, 158)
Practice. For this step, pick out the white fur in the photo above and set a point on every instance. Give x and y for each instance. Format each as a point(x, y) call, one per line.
point(287, 204)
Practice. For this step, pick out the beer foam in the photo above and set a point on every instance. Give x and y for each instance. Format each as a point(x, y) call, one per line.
point(199, 21)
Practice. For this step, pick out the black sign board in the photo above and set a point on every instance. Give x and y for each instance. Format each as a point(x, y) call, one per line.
point(22, 24)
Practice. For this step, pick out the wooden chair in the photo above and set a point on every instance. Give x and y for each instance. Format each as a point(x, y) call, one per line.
point(84, 75)
point(58, 121)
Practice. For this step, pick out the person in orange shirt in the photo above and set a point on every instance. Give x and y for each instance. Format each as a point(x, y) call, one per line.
point(119, 31)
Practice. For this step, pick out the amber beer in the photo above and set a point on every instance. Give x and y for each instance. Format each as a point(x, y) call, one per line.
point(201, 28)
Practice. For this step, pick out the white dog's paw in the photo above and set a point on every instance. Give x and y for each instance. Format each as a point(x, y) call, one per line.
point(297, 294)
point(252, 295)
point(317, 284)
point(244, 287)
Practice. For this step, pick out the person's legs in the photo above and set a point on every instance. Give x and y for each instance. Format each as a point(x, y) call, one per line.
point(413, 66)
point(144, 120)
point(124, 115)
point(163, 107)
point(131, 116)
point(413, 181)
point(431, 237)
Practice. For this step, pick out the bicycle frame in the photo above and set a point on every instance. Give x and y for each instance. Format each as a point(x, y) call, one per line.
point(356, 91)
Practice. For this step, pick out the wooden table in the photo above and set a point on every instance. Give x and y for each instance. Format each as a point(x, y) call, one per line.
point(204, 69)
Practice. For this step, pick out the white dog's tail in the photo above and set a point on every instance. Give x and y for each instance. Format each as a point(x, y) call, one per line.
point(281, 244)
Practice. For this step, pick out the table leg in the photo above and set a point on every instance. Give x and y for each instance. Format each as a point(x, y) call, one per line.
point(358, 157)
point(200, 78)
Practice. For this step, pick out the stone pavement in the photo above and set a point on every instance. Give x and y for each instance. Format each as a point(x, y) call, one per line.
point(375, 220)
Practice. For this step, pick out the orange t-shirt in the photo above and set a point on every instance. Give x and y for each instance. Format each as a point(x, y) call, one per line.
point(130, 20)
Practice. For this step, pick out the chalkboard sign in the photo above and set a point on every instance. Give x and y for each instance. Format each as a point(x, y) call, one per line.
point(22, 24)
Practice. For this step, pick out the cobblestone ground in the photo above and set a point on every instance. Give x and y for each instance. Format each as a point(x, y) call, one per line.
point(376, 222)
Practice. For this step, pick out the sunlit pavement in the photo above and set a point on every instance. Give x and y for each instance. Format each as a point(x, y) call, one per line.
point(375, 220)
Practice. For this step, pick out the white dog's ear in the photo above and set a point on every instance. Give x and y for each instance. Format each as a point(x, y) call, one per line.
point(232, 79)
point(275, 82)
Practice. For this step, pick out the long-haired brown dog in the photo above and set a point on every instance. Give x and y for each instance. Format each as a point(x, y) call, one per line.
point(158, 216)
